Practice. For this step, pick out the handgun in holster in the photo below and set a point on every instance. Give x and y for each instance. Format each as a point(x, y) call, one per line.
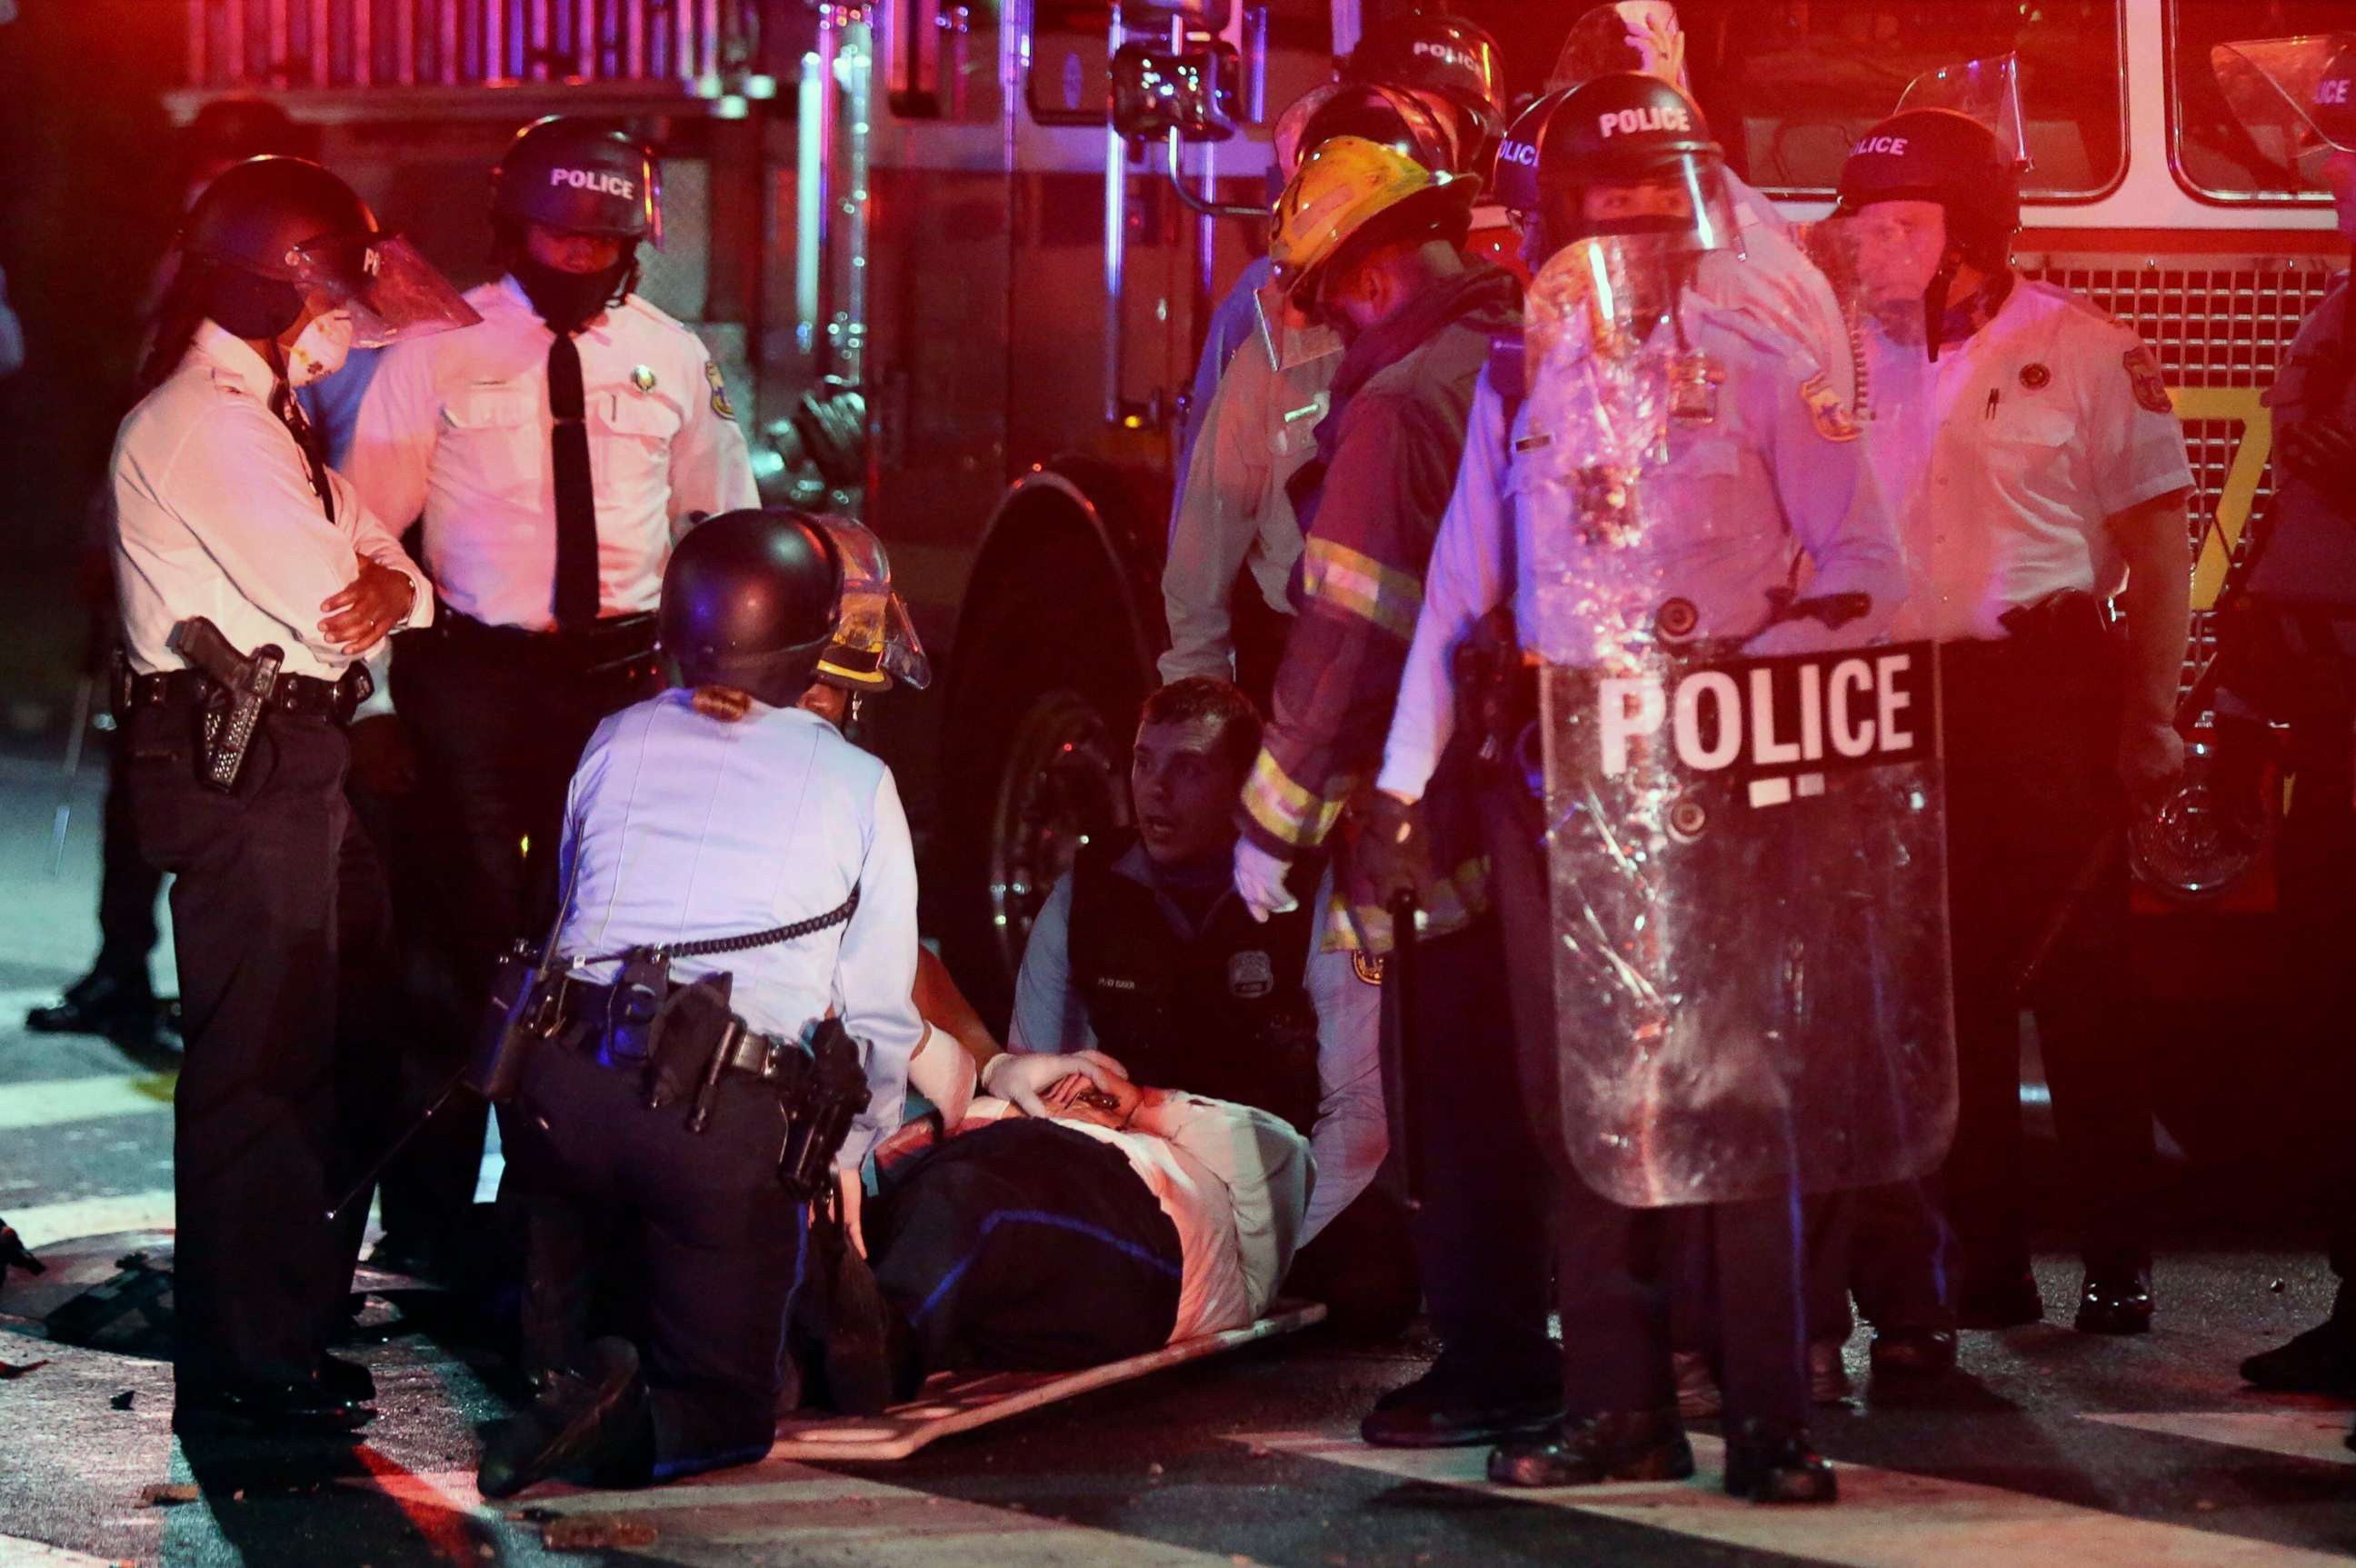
point(232, 708)
point(834, 1090)
point(1491, 685)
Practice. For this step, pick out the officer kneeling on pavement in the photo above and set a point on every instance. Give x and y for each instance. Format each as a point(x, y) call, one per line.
point(1146, 951)
point(737, 948)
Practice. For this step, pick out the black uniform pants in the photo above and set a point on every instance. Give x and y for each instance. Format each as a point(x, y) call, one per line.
point(2032, 729)
point(703, 1245)
point(1026, 1247)
point(1619, 1270)
point(260, 1275)
point(1362, 1267)
point(1481, 1229)
point(499, 717)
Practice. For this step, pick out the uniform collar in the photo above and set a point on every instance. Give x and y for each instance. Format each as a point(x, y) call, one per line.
point(233, 361)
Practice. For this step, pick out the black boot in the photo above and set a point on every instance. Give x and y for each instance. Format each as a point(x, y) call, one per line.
point(1770, 1462)
point(1453, 1406)
point(2320, 1361)
point(1622, 1445)
point(120, 1007)
point(2116, 1301)
point(595, 1419)
point(1903, 1352)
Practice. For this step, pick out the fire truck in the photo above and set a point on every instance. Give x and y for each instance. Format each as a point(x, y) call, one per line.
point(962, 255)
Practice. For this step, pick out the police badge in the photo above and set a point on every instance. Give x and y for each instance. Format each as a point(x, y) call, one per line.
point(1825, 410)
point(1694, 381)
point(1251, 975)
point(2150, 386)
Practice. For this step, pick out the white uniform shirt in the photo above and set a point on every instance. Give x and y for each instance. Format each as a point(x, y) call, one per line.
point(215, 516)
point(1234, 1181)
point(1776, 282)
point(1768, 482)
point(1351, 1135)
point(681, 827)
point(456, 428)
point(2002, 460)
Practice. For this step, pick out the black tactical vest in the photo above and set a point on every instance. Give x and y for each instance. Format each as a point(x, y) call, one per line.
point(1224, 1014)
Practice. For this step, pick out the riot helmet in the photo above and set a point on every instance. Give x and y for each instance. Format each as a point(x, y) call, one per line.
point(1631, 35)
point(2295, 97)
point(1352, 196)
point(270, 231)
point(1950, 159)
point(750, 600)
point(874, 646)
point(1449, 57)
point(565, 174)
point(1514, 182)
point(1627, 155)
point(1392, 117)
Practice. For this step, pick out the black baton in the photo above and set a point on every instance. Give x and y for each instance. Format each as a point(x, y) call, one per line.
point(1398, 1092)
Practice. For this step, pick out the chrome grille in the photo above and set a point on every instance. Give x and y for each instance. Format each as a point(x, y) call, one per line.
point(263, 43)
point(2219, 321)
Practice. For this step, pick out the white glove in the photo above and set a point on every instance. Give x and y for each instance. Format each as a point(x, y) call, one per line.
point(848, 1188)
point(1259, 880)
point(1017, 1076)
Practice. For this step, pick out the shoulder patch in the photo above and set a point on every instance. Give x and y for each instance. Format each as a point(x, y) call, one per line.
point(2143, 374)
point(1366, 967)
point(1825, 411)
point(719, 403)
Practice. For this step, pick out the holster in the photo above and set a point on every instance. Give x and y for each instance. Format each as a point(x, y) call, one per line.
point(1496, 690)
point(521, 1012)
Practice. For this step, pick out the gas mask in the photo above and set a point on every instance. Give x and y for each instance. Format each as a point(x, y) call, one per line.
point(320, 349)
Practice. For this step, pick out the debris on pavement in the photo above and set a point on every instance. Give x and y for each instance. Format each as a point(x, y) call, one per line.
point(18, 1369)
point(595, 1534)
point(171, 1495)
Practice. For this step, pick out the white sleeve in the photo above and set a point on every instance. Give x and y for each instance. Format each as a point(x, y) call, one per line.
point(875, 971)
point(944, 1074)
point(1834, 505)
point(710, 466)
point(1048, 1014)
point(371, 539)
point(1352, 1133)
point(1464, 581)
point(1265, 1167)
point(392, 440)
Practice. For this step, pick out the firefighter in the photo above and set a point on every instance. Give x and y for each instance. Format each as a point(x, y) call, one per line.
point(674, 834)
point(1252, 416)
point(2287, 634)
point(251, 578)
point(554, 452)
point(1144, 952)
point(2029, 444)
point(1763, 470)
point(1366, 241)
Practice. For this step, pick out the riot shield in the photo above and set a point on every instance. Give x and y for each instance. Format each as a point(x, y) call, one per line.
point(2293, 97)
point(1626, 35)
point(1746, 856)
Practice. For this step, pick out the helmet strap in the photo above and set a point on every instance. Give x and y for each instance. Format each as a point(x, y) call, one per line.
point(1935, 300)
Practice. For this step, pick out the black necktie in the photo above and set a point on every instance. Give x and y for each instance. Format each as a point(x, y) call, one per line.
point(315, 455)
point(576, 499)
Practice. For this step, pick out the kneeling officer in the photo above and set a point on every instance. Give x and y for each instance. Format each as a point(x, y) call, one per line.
point(738, 943)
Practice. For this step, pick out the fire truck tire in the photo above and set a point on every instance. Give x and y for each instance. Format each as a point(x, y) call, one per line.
point(1034, 761)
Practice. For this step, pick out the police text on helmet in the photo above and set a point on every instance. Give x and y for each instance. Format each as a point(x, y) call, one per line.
point(1894, 145)
point(1524, 153)
point(2330, 92)
point(1656, 117)
point(594, 179)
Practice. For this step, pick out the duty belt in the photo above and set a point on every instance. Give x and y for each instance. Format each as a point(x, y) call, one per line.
point(298, 696)
point(609, 643)
point(585, 1008)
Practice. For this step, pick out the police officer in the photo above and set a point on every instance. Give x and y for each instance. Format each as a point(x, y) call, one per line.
point(554, 452)
point(2287, 638)
point(2027, 444)
point(230, 526)
point(1144, 952)
point(722, 809)
point(1763, 471)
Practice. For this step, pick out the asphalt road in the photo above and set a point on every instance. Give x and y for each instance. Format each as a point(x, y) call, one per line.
point(2050, 1448)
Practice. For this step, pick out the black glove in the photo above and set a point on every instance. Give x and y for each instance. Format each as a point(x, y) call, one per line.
point(1389, 856)
point(2322, 453)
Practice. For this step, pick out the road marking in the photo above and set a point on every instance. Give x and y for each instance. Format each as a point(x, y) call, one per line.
point(44, 1224)
point(821, 1518)
point(17, 1552)
point(1885, 1519)
point(2317, 1432)
point(52, 1101)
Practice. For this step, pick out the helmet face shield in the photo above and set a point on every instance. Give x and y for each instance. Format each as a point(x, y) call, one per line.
point(2295, 97)
point(392, 293)
point(876, 644)
point(1632, 35)
point(1682, 206)
point(1986, 90)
